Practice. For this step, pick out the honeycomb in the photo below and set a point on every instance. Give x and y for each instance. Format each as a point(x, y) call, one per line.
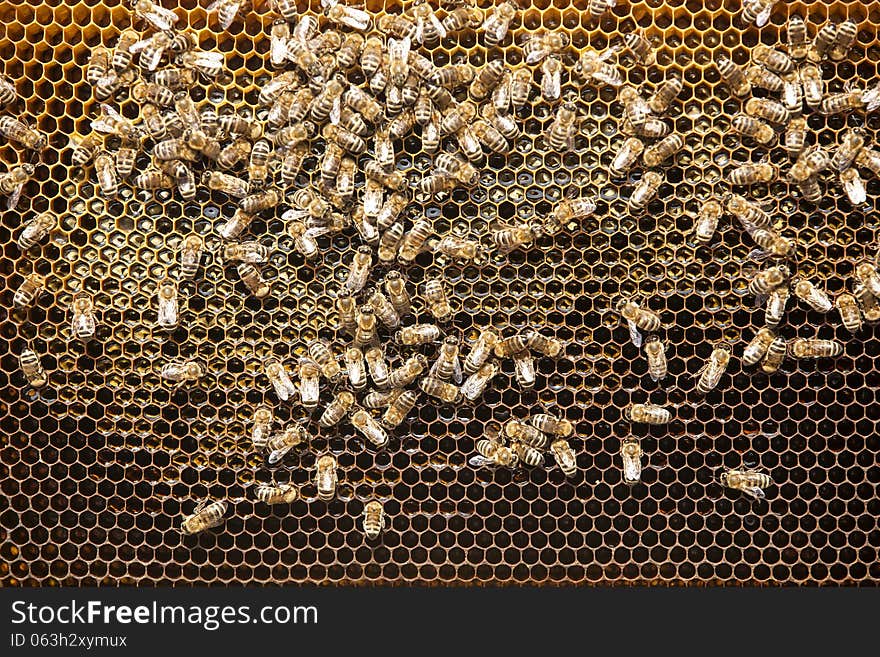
point(97, 467)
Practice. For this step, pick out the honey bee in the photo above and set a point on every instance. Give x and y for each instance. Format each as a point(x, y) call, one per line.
point(844, 101)
point(493, 453)
point(83, 150)
point(408, 372)
point(206, 515)
point(395, 287)
point(356, 19)
point(374, 519)
point(153, 179)
point(773, 60)
point(33, 371)
point(750, 173)
point(796, 33)
point(776, 353)
point(325, 358)
point(667, 147)
point(762, 78)
point(160, 19)
point(125, 160)
point(771, 242)
point(734, 77)
point(436, 299)
point(418, 334)
point(551, 80)
point(457, 248)
point(369, 428)
point(280, 443)
point(497, 22)
point(474, 386)
point(852, 141)
point(394, 180)
point(813, 296)
point(645, 190)
point(446, 392)
point(36, 230)
point(397, 51)
point(594, 66)
point(447, 366)
point(182, 371)
point(277, 494)
point(631, 454)
point(235, 225)
point(260, 201)
point(82, 324)
point(192, 248)
point(514, 344)
point(13, 182)
point(812, 85)
point(252, 252)
point(359, 271)
point(707, 221)
point(542, 44)
point(355, 368)
point(564, 456)
point(870, 305)
point(380, 398)
point(480, 351)
point(648, 414)
point(98, 65)
point(524, 369)
point(262, 424)
point(796, 136)
point(365, 332)
point(758, 346)
point(489, 136)
point(767, 280)
point(847, 32)
point(638, 319)
point(465, 15)
point(527, 454)
point(105, 172)
point(402, 124)
point(226, 183)
point(279, 379)
point(810, 189)
point(750, 482)
point(383, 308)
point(811, 162)
point(822, 42)
point(854, 186)
point(8, 94)
point(279, 35)
point(209, 64)
point(710, 374)
point(849, 311)
point(414, 241)
point(399, 408)
point(346, 308)
point(866, 275)
point(110, 122)
point(523, 433)
point(665, 93)
point(544, 345)
point(309, 382)
point(552, 425)
point(814, 348)
point(389, 242)
point(639, 45)
point(563, 128)
point(370, 59)
point(751, 127)
point(29, 291)
point(627, 156)
point(655, 351)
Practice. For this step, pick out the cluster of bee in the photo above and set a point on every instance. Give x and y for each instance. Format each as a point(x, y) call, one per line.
point(33, 232)
point(642, 121)
point(18, 132)
point(791, 84)
point(526, 443)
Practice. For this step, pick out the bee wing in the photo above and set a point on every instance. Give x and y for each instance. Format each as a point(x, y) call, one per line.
point(214, 6)
point(161, 18)
point(12, 201)
point(755, 492)
point(137, 46)
point(479, 461)
point(438, 25)
point(634, 333)
point(295, 214)
point(457, 375)
point(871, 98)
point(317, 231)
point(419, 35)
point(336, 110)
point(764, 15)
